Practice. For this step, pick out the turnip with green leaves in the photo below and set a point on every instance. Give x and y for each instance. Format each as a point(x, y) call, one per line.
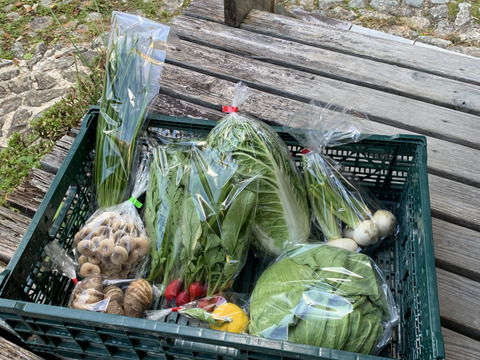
point(337, 204)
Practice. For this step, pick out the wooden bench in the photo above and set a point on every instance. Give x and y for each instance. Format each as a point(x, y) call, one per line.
point(402, 87)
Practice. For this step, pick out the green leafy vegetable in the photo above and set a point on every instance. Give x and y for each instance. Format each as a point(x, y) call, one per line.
point(131, 81)
point(282, 216)
point(199, 217)
point(217, 219)
point(323, 296)
point(163, 208)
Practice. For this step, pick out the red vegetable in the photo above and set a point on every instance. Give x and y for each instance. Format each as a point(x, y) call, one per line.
point(173, 289)
point(195, 289)
point(183, 298)
point(205, 289)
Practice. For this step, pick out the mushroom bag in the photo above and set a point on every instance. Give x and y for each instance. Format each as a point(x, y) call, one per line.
point(113, 241)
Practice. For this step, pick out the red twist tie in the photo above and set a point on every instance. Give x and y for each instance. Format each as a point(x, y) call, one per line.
point(229, 109)
point(175, 309)
point(75, 281)
point(305, 151)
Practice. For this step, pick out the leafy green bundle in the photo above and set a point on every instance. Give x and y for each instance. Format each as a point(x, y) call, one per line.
point(282, 216)
point(163, 207)
point(131, 81)
point(323, 296)
point(200, 215)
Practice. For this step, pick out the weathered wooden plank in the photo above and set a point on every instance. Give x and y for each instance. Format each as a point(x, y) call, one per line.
point(390, 109)
point(328, 64)
point(458, 298)
point(9, 351)
point(12, 228)
point(51, 161)
point(166, 105)
point(459, 347)
point(455, 202)
point(456, 248)
point(316, 18)
point(205, 89)
point(201, 9)
point(28, 196)
point(430, 60)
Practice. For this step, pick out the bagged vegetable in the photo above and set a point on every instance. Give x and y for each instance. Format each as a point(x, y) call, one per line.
point(324, 296)
point(222, 312)
point(113, 241)
point(282, 217)
point(163, 208)
point(119, 297)
point(203, 215)
point(348, 215)
point(135, 57)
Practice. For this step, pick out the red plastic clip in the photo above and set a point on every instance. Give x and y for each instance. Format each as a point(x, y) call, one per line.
point(229, 109)
point(75, 281)
point(305, 151)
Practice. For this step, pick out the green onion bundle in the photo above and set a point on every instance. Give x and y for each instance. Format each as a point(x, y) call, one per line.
point(131, 81)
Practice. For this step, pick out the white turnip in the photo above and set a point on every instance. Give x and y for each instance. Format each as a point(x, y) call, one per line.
point(385, 222)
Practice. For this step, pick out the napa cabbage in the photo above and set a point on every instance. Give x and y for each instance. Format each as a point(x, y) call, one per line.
point(282, 216)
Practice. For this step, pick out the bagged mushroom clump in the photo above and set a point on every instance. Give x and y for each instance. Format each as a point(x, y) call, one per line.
point(113, 241)
point(130, 298)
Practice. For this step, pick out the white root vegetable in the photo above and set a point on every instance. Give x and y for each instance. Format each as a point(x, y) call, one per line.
point(366, 233)
point(344, 243)
point(347, 232)
point(385, 222)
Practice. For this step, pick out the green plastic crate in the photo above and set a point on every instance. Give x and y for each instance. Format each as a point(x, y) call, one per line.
point(33, 299)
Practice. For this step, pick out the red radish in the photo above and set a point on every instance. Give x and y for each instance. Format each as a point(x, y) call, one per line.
point(205, 289)
point(183, 298)
point(195, 289)
point(173, 289)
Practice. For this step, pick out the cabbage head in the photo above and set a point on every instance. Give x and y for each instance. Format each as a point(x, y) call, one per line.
point(282, 215)
point(323, 296)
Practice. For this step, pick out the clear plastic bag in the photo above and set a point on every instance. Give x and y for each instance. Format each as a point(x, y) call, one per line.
point(61, 261)
point(282, 217)
point(135, 58)
point(227, 312)
point(324, 296)
point(347, 213)
point(163, 206)
point(203, 229)
point(130, 297)
point(113, 241)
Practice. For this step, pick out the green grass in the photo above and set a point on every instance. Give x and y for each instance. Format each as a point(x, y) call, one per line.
point(453, 9)
point(476, 11)
point(24, 151)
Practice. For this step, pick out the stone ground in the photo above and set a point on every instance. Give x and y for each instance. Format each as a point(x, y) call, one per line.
point(29, 86)
point(452, 25)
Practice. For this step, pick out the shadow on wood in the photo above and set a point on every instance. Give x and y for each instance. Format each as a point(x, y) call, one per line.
point(237, 10)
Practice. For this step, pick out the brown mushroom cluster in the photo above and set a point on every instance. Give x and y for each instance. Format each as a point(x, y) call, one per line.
point(111, 244)
point(90, 294)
